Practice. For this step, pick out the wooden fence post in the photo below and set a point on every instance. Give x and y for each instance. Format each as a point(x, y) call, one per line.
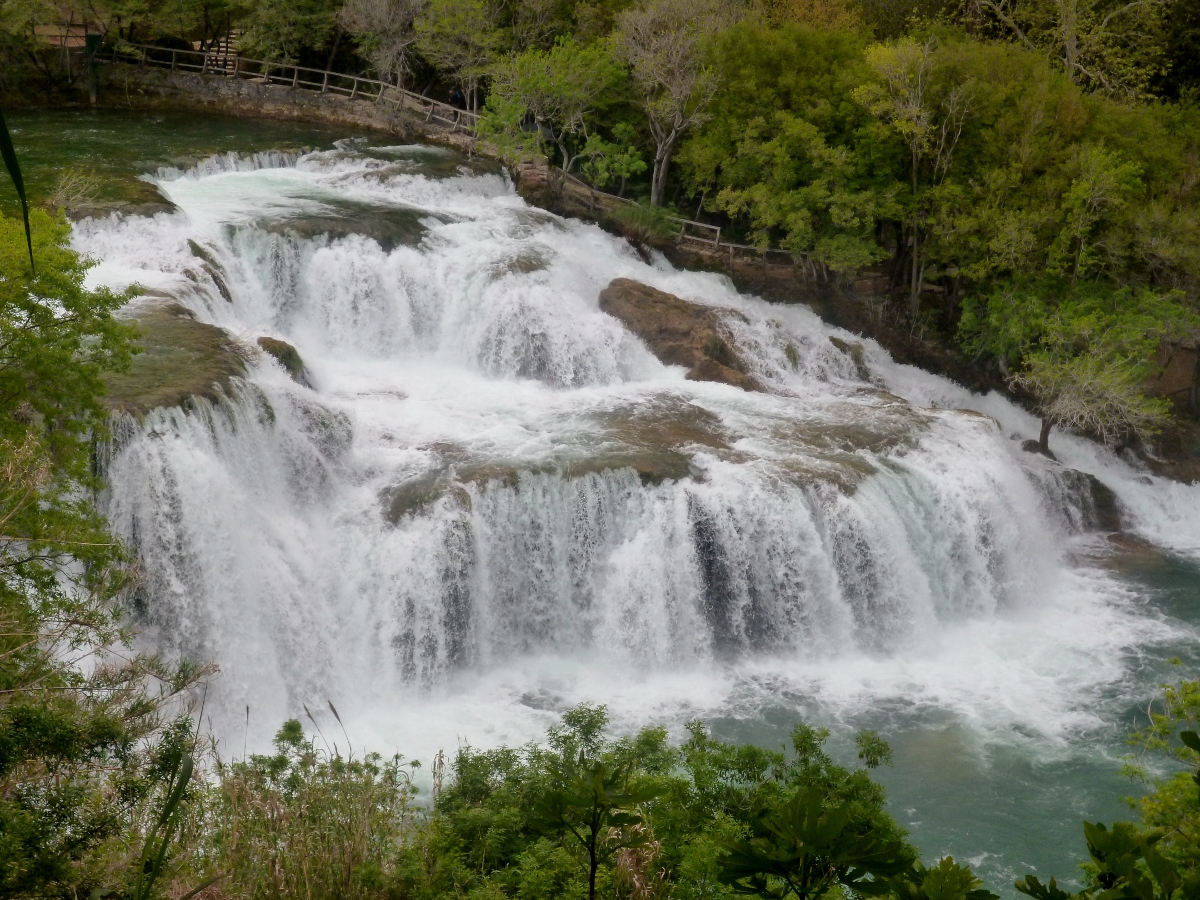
point(325, 84)
point(204, 65)
point(237, 64)
point(172, 60)
point(354, 89)
point(295, 76)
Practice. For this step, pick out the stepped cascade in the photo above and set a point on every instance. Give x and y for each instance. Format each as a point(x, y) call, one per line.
point(478, 491)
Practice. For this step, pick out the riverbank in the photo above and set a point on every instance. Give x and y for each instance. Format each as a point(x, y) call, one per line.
point(857, 303)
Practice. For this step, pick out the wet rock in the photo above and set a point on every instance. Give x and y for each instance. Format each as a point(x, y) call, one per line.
point(857, 355)
point(389, 227)
point(1035, 447)
point(143, 199)
point(678, 332)
point(288, 357)
point(180, 359)
point(1098, 505)
point(1105, 510)
point(212, 268)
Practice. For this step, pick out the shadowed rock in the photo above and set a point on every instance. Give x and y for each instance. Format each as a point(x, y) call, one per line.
point(678, 332)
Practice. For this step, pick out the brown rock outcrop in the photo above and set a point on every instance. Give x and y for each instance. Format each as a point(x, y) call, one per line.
point(678, 332)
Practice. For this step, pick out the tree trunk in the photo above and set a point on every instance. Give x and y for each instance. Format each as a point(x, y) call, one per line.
point(662, 160)
point(337, 40)
point(593, 862)
point(1044, 437)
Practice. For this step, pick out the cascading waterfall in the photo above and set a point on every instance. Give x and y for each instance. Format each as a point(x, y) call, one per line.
point(493, 499)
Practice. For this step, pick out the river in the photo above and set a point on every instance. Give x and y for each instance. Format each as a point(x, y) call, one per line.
point(444, 531)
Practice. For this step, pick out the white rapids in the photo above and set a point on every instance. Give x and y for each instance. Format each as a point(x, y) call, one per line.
point(494, 501)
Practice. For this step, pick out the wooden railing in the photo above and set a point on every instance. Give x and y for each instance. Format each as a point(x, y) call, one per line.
point(220, 62)
point(702, 236)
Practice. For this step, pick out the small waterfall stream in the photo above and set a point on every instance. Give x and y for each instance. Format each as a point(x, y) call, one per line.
point(492, 501)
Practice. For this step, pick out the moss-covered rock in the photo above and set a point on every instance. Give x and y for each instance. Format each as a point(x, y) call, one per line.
point(180, 358)
point(288, 357)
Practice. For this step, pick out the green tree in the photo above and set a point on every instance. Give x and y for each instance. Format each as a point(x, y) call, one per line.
point(928, 114)
point(276, 30)
point(663, 42)
point(559, 89)
point(461, 37)
point(79, 714)
point(1086, 358)
point(1115, 46)
point(804, 845)
point(592, 795)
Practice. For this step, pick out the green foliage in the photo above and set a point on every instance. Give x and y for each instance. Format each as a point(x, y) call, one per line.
point(9, 155)
point(1086, 357)
point(81, 718)
point(608, 163)
point(643, 224)
point(278, 31)
point(807, 846)
point(551, 96)
point(947, 880)
point(460, 37)
point(639, 818)
point(1159, 858)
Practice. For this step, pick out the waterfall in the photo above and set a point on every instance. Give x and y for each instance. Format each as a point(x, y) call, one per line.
point(493, 500)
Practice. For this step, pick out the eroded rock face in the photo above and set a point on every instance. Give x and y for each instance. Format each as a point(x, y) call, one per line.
point(180, 358)
point(678, 332)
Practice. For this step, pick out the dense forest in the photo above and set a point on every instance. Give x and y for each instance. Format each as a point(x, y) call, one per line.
point(1026, 173)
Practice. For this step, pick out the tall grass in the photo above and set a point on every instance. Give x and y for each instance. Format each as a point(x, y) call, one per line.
point(306, 823)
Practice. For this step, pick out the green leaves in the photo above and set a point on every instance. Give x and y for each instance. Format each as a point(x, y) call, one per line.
point(809, 843)
point(14, 171)
point(945, 881)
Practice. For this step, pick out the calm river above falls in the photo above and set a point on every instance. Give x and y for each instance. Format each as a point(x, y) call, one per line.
point(489, 501)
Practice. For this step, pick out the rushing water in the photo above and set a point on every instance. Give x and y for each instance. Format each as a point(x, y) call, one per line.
point(446, 534)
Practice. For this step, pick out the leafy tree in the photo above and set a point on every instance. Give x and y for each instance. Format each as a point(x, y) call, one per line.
point(559, 89)
point(1115, 46)
point(785, 149)
point(1085, 359)
point(385, 34)
point(947, 880)
point(462, 37)
point(837, 15)
point(280, 30)
point(592, 800)
point(1172, 806)
point(78, 712)
point(807, 846)
point(613, 162)
point(930, 121)
point(663, 42)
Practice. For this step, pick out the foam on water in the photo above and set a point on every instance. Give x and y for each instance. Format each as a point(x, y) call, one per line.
point(449, 536)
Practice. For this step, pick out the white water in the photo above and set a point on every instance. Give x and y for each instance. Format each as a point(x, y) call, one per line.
point(827, 543)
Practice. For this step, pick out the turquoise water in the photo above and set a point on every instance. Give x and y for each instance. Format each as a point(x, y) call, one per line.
point(118, 146)
point(1015, 806)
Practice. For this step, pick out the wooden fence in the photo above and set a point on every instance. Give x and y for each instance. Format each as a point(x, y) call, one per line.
point(220, 61)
